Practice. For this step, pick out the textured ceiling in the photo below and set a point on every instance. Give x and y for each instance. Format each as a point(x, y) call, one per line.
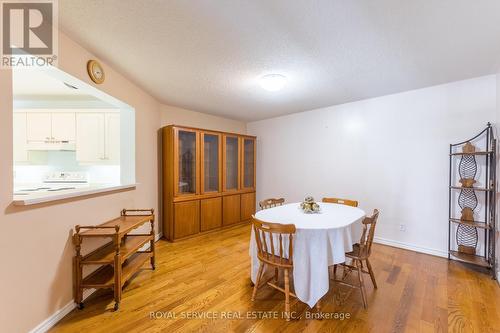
point(208, 55)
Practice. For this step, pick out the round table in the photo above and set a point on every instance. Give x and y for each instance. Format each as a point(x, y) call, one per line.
point(321, 240)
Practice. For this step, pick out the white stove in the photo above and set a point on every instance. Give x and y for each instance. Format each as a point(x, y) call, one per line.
point(55, 182)
point(66, 177)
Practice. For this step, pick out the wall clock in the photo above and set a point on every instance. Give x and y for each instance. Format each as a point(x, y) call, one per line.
point(96, 72)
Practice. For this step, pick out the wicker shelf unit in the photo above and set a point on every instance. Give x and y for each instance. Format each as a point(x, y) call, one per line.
point(472, 216)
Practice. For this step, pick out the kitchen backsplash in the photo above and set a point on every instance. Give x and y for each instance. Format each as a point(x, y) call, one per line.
point(43, 162)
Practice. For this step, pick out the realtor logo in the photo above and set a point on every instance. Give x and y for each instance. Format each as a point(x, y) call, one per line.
point(29, 33)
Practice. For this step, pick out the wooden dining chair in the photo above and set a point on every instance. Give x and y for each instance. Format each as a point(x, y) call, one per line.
point(347, 202)
point(271, 202)
point(361, 253)
point(275, 249)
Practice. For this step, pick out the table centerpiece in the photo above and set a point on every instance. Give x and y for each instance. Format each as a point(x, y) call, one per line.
point(309, 206)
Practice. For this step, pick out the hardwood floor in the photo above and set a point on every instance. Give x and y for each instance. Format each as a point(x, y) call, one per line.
point(209, 275)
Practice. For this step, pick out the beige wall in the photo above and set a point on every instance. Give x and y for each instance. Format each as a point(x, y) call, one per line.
point(36, 249)
point(36, 242)
point(171, 115)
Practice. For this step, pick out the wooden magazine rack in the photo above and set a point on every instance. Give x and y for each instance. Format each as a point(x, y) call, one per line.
point(120, 258)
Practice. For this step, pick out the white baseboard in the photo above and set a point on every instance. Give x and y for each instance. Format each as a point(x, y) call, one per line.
point(406, 246)
point(48, 323)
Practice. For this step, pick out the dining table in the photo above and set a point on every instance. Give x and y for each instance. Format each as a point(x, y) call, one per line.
point(321, 240)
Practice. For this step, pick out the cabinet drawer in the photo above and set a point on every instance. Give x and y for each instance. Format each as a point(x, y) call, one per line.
point(211, 213)
point(231, 209)
point(247, 206)
point(186, 218)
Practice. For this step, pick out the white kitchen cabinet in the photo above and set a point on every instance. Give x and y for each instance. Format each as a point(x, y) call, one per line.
point(50, 127)
point(90, 137)
point(98, 138)
point(94, 135)
point(19, 137)
point(38, 126)
point(63, 126)
point(112, 141)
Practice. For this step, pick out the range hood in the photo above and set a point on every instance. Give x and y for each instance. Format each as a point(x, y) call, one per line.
point(51, 145)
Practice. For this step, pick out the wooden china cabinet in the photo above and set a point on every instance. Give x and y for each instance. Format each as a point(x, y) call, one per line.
point(208, 180)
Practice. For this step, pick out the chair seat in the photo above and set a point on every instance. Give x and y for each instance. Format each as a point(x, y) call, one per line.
point(275, 260)
point(356, 252)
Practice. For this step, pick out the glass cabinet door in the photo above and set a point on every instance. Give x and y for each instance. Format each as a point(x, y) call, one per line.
point(248, 163)
point(211, 158)
point(231, 163)
point(186, 147)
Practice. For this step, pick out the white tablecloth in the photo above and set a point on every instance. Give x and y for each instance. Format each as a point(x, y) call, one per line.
point(321, 240)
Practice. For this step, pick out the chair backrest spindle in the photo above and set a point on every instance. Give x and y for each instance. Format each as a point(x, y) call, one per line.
point(271, 240)
point(281, 248)
point(277, 234)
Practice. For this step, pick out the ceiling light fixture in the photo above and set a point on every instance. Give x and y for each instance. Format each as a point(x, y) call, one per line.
point(273, 82)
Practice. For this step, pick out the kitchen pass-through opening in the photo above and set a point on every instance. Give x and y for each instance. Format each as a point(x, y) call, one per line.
point(69, 138)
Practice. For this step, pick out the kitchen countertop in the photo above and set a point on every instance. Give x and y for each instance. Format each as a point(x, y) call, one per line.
point(36, 197)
